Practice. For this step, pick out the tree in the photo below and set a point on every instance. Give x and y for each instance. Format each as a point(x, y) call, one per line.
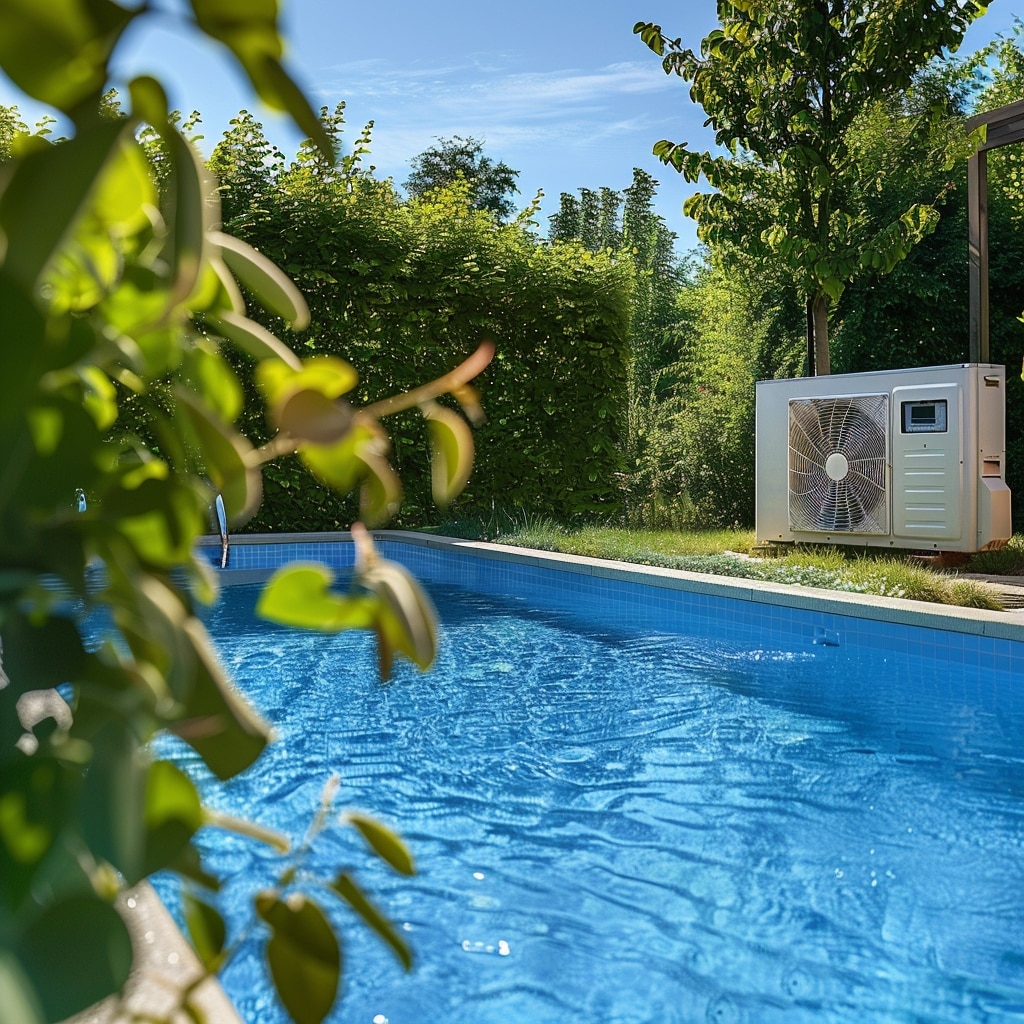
point(117, 281)
point(625, 224)
point(782, 83)
point(491, 184)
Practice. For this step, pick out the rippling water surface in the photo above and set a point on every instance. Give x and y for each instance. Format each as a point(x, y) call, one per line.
point(616, 827)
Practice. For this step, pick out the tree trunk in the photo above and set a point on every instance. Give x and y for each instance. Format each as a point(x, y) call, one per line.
point(822, 366)
point(809, 327)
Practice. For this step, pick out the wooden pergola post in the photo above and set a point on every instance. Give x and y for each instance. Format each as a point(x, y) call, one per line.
point(1004, 125)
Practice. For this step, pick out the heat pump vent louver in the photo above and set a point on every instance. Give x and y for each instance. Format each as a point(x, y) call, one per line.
point(837, 464)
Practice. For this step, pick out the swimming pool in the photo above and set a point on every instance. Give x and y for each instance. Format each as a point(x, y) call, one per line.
point(635, 803)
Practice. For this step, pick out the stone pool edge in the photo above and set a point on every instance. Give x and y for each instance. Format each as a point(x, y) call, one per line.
point(1006, 625)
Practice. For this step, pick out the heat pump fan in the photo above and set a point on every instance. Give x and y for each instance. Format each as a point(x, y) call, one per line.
point(837, 464)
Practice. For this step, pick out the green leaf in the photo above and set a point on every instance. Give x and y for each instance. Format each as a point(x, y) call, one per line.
point(193, 210)
point(45, 195)
point(41, 655)
point(172, 815)
point(76, 952)
point(651, 36)
point(385, 843)
point(17, 995)
point(216, 722)
point(381, 492)
point(249, 30)
point(252, 337)
point(25, 841)
point(347, 889)
point(149, 101)
point(113, 796)
point(264, 279)
point(57, 51)
point(100, 397)
point(277, 89)
point(407, 621)
point(298, 595)
point(161, 517)
point(304, 956)
point(330, 376)
point(24, 362)
point(227, 457)
point(211, 376)
point(205, 929)
point(451, 446)
point(342, 464)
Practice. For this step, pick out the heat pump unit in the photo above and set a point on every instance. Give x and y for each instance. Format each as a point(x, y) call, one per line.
point(898, 458)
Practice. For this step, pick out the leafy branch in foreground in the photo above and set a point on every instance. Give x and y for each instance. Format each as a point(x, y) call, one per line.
point(114, 289)
point(303, 952)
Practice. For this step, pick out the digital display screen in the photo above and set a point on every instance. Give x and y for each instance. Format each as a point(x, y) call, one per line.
point(924, 417)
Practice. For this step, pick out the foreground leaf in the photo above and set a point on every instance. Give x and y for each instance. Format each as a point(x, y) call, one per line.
point(264, 279)
point(229, 458)
point(45, 196)
point(205, 929)
point(217, 723)
point(347, 889)
point(451, 452)
point(57, 51)
point(250, 31)
point(385, 843)
point(76, 953)
point(298, 595)
point(173, 814)
point(303, 953)
point(407, 620)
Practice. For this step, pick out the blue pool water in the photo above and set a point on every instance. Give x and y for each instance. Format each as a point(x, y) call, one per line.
point(624, 815)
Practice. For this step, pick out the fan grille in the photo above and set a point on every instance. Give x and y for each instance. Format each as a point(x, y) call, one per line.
point(838, 450)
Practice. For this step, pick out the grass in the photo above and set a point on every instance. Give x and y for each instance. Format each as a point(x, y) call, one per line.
point(726, 553)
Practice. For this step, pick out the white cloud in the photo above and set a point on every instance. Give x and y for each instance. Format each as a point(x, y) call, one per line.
point(475, 89)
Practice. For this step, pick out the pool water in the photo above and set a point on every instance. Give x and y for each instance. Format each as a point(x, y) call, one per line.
point(617, 825)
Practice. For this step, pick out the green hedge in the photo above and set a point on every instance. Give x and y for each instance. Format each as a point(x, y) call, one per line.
point(404, 292)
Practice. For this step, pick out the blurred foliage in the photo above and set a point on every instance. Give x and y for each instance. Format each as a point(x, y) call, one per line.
point(120, 299)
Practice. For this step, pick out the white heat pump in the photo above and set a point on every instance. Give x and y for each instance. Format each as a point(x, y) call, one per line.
point(898, 458)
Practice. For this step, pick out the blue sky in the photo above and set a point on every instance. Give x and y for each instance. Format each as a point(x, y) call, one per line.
point(562, 92)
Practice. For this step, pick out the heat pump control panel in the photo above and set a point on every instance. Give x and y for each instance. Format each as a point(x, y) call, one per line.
point(927, 462)
point(924, 416)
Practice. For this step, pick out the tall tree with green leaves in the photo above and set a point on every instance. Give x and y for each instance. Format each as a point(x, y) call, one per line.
point(782, 83)
point(491, 184)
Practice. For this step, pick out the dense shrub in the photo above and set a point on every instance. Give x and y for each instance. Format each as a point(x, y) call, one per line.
point(395, 287)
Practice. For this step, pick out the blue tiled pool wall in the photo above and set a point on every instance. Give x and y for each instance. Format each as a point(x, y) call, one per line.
point(610, 600)
point(727, 618)
point(336, 554)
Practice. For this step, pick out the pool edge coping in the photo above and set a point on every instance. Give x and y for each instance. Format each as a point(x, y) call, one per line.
point(1007, 625)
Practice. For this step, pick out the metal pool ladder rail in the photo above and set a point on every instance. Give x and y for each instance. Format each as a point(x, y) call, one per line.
point(222, 527)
